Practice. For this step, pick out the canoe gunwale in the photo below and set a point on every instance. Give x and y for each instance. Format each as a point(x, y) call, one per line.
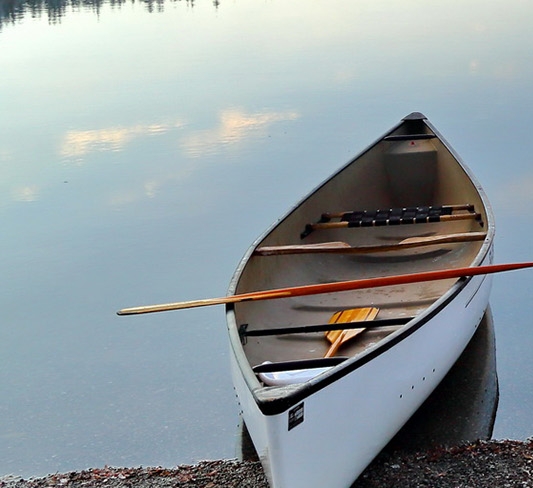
point(276, 400)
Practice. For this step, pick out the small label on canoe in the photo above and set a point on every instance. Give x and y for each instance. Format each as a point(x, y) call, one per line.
point(296, 416)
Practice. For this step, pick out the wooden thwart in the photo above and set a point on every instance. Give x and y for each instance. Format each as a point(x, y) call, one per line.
point(340, 247)
point(339, 337)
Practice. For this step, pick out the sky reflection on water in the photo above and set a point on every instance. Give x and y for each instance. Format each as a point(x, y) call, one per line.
point(141, 153)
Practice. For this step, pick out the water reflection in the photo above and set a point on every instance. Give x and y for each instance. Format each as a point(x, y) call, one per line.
point(77, 143)
point(141, 154)
point(463, 407)
point(233, 126)
point(29, 193)
point(15, 10)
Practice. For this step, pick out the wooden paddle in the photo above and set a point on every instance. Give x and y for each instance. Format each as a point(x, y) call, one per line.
point(339, 337)
point(317, 289)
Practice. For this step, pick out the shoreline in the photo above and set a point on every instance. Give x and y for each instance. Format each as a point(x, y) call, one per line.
point(481, 464)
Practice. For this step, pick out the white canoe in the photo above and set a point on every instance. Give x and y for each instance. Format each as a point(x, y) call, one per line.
point(317, 421)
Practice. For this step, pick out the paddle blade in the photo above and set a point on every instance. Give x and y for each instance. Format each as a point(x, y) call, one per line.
point(339, 337)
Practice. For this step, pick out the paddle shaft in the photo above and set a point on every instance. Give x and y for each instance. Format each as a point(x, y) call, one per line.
point(317, 289)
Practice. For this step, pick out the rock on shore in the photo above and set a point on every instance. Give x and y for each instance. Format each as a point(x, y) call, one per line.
point(481, 464)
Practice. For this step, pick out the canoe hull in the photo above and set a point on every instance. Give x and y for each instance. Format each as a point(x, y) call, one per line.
point(325, 431)
point(343, 430)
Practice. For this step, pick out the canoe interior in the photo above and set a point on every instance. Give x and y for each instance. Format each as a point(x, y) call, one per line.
point(395, 172)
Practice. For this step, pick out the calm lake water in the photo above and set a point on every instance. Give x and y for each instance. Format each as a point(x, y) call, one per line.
point(145, 145)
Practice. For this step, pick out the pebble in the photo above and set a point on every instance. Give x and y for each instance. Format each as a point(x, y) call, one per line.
point(482, 464)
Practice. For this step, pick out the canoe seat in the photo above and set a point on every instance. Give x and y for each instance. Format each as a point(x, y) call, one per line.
point(393, 216)
point(345, 248)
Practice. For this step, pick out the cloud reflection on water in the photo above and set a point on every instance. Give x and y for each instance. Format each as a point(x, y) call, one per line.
point(29, 193)
point(77, 143)
point(234, 126)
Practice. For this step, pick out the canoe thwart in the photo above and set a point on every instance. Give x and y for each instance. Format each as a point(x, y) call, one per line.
point(299, 248)
point(393, 216)
point(344, 248)
point(409, 137)
point(293, 365)
point(306, 329)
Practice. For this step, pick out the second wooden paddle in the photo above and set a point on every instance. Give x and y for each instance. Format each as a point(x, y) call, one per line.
point(315, 289)
point(339, 337)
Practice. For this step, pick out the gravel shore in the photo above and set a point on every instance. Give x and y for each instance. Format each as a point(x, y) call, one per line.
point(491, 464)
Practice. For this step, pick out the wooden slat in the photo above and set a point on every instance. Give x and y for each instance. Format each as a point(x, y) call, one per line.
point(324, 247)
point(344, 248)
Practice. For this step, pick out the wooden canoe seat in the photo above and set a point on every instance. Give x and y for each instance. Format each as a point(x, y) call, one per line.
point(345, 248)
point(339, 247)
point(393, 216)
